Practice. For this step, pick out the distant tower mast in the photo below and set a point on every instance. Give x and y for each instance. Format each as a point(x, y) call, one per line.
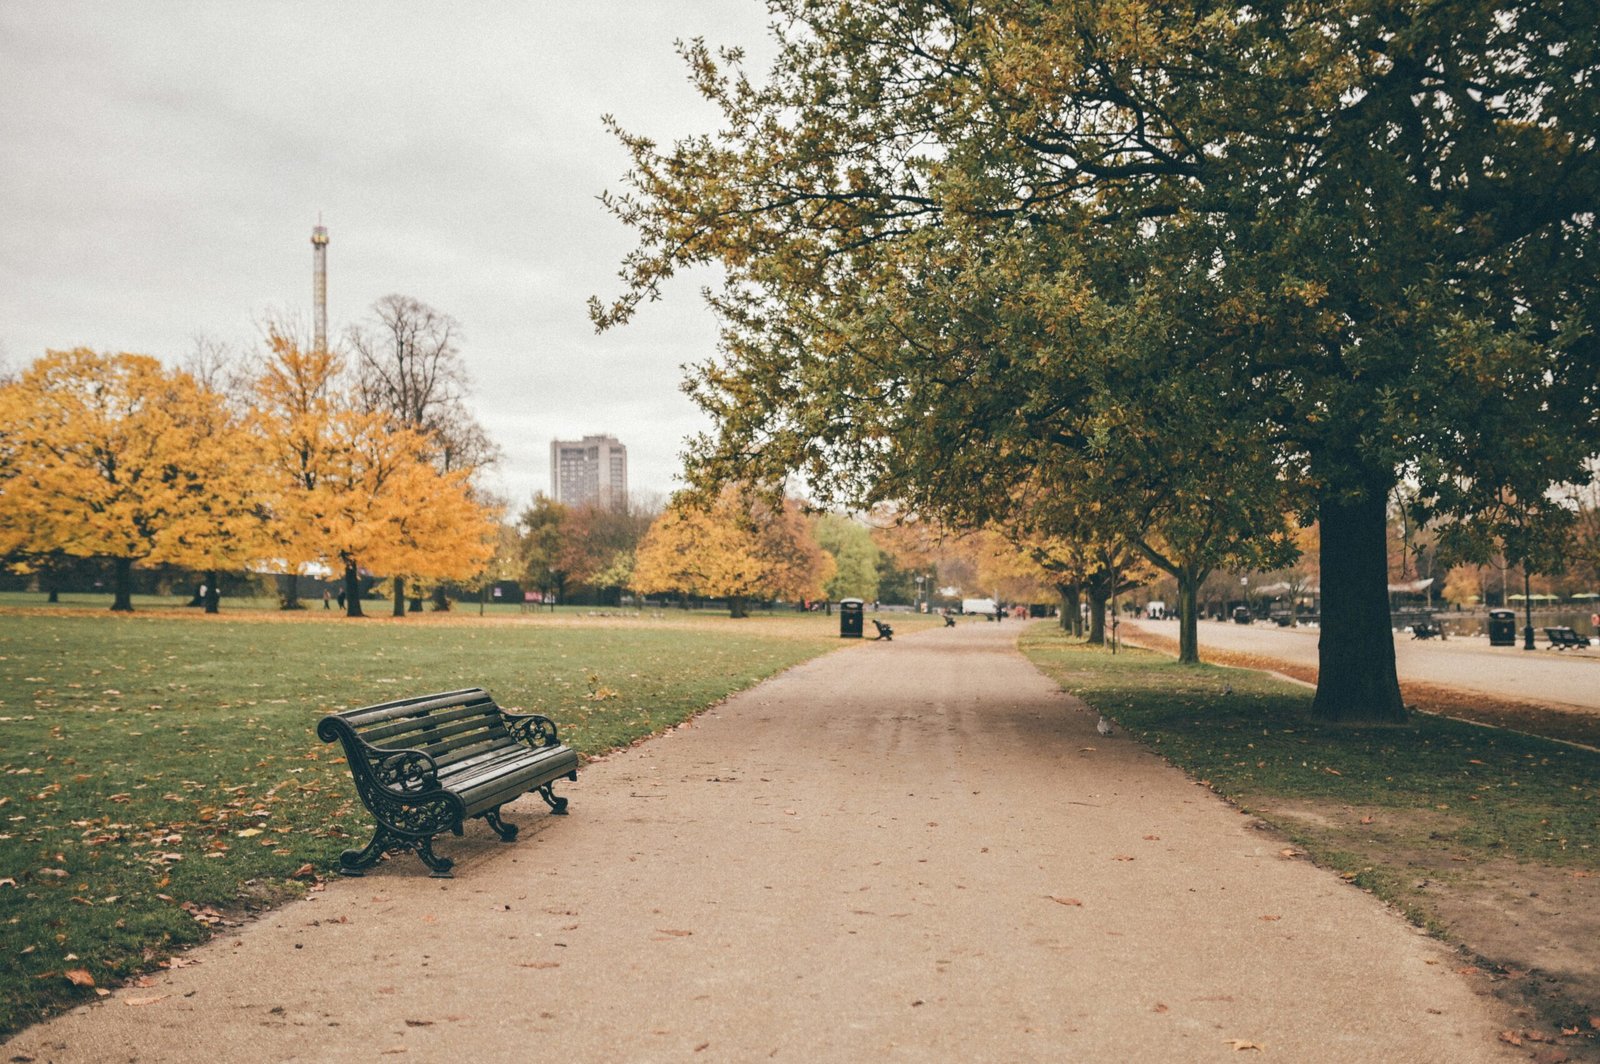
point(319, 283)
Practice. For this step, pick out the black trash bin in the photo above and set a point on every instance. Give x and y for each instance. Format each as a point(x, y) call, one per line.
point(1502, 628)
point(851, 618)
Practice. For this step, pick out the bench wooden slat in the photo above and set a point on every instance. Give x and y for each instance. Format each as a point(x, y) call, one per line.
point(370, 715)
point(451, 725)
point(395, 732)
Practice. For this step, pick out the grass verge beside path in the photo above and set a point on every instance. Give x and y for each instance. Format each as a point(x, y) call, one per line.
point(1451, 822)
point(161, 776)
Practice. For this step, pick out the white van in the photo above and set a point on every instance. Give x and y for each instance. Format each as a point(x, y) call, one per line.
point(978, 606)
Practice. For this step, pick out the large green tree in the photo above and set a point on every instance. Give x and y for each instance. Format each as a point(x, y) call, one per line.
point(928, 212)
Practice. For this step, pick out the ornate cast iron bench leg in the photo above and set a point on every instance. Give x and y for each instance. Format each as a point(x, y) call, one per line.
point(507, 832)
point(558, 806)
point(356, 862)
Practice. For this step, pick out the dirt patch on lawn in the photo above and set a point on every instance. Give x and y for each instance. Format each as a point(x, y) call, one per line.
point(1527, 932)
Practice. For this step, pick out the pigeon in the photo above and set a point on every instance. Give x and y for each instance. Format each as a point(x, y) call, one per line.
point(1104, 727)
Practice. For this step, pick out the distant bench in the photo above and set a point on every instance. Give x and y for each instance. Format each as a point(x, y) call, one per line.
point(425, 765)
point(885, 632)
point(1563, 638)
point(1427, 630)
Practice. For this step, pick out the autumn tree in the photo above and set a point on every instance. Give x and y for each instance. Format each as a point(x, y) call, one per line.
point(927, 213)
point(541, 529)
point(113, 456)
point(736, 548)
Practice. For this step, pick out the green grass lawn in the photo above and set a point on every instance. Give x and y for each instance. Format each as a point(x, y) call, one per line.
point(1436, 797)
point(160, 771)
point(1467, 788)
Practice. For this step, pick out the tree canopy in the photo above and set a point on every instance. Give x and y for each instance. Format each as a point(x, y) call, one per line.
point(1284, 255)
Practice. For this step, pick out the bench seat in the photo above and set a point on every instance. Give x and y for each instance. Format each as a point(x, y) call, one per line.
point(427, 764)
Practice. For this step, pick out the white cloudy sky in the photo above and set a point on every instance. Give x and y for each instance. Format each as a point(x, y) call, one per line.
point(162, 164)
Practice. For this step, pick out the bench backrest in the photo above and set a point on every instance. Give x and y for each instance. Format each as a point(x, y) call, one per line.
point(450, 727)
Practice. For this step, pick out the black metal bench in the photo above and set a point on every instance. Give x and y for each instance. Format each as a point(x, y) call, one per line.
point(425, 765)
point(1563, 638)
point(885, 632)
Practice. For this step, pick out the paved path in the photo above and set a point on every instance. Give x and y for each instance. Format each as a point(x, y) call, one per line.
point(907, 851)
point(1568, 680)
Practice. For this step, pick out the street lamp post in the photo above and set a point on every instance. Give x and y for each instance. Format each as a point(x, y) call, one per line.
point(1527, 610)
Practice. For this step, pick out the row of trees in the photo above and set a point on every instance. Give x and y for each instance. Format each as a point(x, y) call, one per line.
point(1156, 283)
point(738, 547)
point(304, 461)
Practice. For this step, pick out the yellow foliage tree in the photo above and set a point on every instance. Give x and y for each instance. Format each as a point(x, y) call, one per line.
point(354, 489)
point(736, 548)
point(112, 456)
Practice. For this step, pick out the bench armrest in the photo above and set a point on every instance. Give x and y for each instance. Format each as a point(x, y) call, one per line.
point(531, 729)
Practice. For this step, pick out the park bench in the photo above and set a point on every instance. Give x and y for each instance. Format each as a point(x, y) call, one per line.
point(1563, 638)
point(885, 632)
point(427, 764)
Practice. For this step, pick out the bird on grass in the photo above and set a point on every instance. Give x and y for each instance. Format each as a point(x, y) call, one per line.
point(1104, 727)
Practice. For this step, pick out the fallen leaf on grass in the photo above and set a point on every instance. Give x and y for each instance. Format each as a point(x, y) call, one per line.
point(79, 977)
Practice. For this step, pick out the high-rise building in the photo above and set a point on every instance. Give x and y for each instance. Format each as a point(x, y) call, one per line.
point(591, 470)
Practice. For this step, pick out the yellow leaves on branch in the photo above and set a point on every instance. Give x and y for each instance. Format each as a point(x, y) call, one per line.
point(116, 456)
point(113, 455)
point(734, 548)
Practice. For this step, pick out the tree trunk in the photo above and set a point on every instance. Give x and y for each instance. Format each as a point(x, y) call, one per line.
point(736, 607)
point(352, 589)
point(213, 592)
point(441, 601)
point(122, 585)
point(290, 582)
point(1356, 681)
point(399, 609)
point(1097, 613)
point(1189, 582)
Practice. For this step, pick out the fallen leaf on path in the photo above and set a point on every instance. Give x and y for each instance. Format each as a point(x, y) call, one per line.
point(1160, 1008)
point(140, 1002)
point(1240, 1045)
point(1511, 1038)
point(79, 977)
point(674, 933)
point(419, 1023)
point(1122, 857)
point(1065, 901)
point(539, 964)
point(1291, 853)
point(1272, 918)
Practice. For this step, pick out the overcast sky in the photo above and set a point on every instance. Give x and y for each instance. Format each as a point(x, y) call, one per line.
point(162, 165)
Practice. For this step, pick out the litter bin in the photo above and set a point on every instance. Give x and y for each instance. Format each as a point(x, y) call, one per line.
point(851, 618)
point(1502, 628)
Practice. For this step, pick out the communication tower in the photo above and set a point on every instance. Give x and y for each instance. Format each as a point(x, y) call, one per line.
point(319, 283)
